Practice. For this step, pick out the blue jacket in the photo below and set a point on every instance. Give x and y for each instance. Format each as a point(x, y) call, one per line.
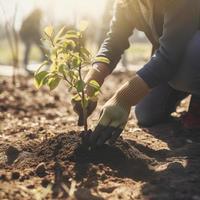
point(169, 25)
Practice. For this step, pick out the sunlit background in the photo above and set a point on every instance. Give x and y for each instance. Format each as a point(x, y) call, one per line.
point(69, 13)
point(54, 10)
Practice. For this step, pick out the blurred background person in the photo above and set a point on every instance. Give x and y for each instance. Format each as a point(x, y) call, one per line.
point(31, 17)
point(30, 34)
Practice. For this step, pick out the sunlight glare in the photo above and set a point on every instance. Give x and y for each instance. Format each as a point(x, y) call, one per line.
point(55, 11)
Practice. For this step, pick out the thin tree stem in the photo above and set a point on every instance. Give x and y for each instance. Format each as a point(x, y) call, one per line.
point(83, 97)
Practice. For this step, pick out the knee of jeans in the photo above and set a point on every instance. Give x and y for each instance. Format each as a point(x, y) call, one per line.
point(192, 52)
point(187, 78)
point(145, 118)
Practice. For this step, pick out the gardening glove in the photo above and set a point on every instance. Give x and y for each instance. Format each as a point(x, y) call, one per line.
point(98, 73)
point(115, 112)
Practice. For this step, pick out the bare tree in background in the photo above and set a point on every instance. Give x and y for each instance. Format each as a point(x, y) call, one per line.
point(12, 38)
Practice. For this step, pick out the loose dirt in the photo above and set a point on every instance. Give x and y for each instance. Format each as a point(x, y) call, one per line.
point(42, 157)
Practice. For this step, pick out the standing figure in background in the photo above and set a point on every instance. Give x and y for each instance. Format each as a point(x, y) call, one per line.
point(30, 34)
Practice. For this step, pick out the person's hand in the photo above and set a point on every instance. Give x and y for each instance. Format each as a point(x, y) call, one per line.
point(116, 111)
point(92, 103)
point(111, 123)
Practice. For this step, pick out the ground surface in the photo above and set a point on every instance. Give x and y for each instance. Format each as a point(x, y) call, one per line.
point(40, 155)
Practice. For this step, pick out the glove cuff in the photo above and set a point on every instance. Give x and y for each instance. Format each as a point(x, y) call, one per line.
point(131, 92)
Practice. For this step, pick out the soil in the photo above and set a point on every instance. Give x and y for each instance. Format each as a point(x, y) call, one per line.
point(41, 155)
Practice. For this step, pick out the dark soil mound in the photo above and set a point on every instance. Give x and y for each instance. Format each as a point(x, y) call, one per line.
point(122, 157)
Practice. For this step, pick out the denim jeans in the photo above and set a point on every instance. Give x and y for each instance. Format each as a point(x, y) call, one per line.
point(162, 100)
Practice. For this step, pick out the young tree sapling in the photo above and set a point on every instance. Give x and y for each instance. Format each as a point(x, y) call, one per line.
point(67, 58)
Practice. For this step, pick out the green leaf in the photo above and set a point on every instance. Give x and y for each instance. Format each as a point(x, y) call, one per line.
point(76, 98)
point(73, 76)
point(95, 85)
point(85, 52)
point(49, 31)
point(61, 69)
point(71, 44)
point(72, 35)
point(53, 67)
point(73, 32)
point(80, 85)
point(59, 34)
point(39, 79)
point(41, 66)
point(76, 62)
point(53, 83)
point(46, 79)
point(67, 45)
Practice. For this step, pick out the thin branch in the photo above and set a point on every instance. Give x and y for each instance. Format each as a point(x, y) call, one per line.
point(15, 36)
point(65, 78)
point(11, 35)
point(83, 101)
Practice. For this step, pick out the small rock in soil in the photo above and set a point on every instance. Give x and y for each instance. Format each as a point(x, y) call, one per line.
point(45, 182)
point(40, 129)
point(31, 186)
point(24, 177)
point(31, 136)
point(108, 189)
point(3, 177)
point(12, 154)
point(31, 173)
point(15, 175)
point(56, 97)
point(41, 170)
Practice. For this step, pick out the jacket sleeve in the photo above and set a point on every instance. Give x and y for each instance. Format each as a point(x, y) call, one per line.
point(181, 21)
point(117, 38)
